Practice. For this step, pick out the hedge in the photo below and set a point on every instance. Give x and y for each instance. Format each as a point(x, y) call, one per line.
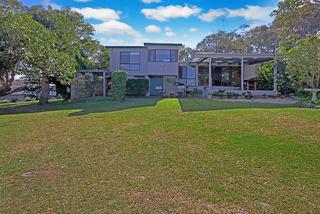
point(137, 87)
point(118, 89)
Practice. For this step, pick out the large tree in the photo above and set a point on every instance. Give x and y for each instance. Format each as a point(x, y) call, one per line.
point(297, 17)
point(304, 64)
point(221, 42)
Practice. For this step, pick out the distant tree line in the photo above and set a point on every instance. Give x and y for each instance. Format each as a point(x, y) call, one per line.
point(45, 45)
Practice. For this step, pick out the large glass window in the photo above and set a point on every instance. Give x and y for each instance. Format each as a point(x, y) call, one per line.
point(203, 76)
point(163, 55)
point(226, 76)
point(130, 61)
point(187, 75)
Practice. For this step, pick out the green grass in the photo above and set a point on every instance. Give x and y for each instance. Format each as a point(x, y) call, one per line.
point(148, 155)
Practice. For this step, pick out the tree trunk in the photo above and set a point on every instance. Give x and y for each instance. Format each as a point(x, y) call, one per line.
point(45, 90)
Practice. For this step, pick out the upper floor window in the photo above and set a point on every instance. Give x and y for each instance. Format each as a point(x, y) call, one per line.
point(130, 60)
point(163, 55)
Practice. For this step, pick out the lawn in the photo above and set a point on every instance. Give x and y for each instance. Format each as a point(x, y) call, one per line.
point(149, 155)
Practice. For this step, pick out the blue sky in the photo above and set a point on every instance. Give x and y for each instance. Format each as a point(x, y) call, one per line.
point(132, 22)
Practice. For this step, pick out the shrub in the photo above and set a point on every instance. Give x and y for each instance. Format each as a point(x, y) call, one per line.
point(220, 93)
point(137, 87)
point(83, 86)
point(232, 95)
point(118, 89)
point(247, 95)
point(196, 92)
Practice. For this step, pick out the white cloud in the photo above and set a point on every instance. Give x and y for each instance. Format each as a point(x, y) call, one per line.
point(153, 29)
point(193, 29)
point(82, 1)
point(249, 13)
point(252, 13)
point(114, 27)
point(151, 1)
point(101, 14)
point(169, 32)
point(212, 15)
point(162, 13)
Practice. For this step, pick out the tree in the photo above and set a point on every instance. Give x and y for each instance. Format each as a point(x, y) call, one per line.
point(297, 17)
point(221, 42)
point(185, 53)
point(304, 64)
point(261, 39)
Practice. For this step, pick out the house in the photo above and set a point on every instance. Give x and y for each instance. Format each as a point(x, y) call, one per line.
point(157, 62)
point(207, 71)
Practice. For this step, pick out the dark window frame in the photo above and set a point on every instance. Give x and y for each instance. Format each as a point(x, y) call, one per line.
point(128, 65)
point(173, 55)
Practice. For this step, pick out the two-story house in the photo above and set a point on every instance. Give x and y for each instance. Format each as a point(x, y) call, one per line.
point(156, 62)
point(207, 71)
point(210, 72)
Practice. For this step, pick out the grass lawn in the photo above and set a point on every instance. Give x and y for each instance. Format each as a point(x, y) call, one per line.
point(148, 155)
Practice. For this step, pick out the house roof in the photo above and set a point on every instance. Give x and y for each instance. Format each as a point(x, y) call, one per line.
point(251, 58)
point(145, 45)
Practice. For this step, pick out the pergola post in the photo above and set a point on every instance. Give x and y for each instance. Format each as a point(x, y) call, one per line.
point(242, 73)
point(210, 71)
point(275, 73)
point(197, 76)
point(104, 83)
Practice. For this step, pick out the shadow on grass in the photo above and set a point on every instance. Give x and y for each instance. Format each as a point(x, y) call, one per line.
point(198, 104)
point(83, 107)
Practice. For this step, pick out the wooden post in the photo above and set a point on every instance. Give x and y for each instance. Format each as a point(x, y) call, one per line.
point(104, 83)
point(242, 73)
point(210, 76)
point(275, 73)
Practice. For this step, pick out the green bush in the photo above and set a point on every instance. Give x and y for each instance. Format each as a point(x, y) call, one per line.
point(83, 86)
point(118, 89)
point(137, 87)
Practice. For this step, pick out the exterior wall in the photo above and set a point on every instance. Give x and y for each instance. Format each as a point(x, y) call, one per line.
point(146, 67)
point(115, 59)
point(163, 68)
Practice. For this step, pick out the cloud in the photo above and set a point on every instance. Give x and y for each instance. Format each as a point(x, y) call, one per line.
point(101, 14)
point(82, 1)
point(162, 13)
point(249, 13)
point(192, 30)
point(169, 32)
point(150, 1)
point(153, 29)
point(114, 27)
point(252, 13)
point(212, 15)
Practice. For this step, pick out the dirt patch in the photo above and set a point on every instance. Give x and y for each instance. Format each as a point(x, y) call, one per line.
point(175, 202)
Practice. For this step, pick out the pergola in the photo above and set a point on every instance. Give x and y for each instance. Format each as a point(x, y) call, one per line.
point(231, 59)
point(105, 74)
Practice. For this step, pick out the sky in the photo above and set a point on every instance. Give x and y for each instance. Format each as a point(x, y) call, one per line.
point(133, 22)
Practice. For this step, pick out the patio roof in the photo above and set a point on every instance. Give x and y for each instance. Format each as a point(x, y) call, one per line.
point(230, 58)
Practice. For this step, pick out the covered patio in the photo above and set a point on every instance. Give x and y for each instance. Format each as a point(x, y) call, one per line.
point(232, 72)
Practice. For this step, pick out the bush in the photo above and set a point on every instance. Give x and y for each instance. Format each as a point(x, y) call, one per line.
point(196, 92)
point(233, 95)
point(118, 89)
point(83, 86)
point(137, 87)
point(247, 95)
